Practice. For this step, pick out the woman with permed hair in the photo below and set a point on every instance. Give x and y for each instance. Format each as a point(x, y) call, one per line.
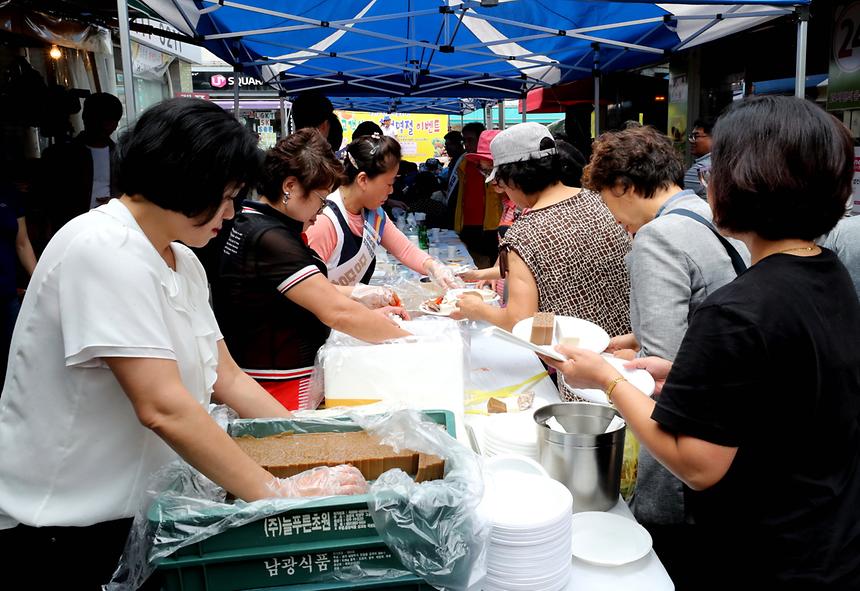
point(759, 412)
point(678, 259)
point(354, 223)
point(273, 297)
point(116, 356)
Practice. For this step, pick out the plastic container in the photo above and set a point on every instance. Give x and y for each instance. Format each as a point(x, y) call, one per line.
point(585, 459)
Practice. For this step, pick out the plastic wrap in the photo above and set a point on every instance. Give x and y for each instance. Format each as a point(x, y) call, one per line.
point(427, 370)
point(433, 528)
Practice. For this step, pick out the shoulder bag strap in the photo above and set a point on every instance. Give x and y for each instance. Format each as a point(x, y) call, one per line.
point(737, 261)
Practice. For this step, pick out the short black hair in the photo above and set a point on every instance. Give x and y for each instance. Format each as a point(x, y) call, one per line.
point(366, 128)
point(183, 154)
point(311, 109)
point(706, 125)
point(533, 176)
point(102, 106)
point(335, 132)
point(638, 157)
point(372, 155)
point(781, 168)
point(453, 136)
point(571, 161)
point(305, 155)
point(475, 127)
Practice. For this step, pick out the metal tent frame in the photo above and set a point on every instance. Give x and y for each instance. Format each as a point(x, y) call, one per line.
point(357, 58)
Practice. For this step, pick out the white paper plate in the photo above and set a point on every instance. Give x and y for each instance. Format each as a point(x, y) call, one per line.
point(607, 539)
point(640, 378)
point(445, 311)
point(526, 503)
point(515, 463)
point(591, 336)
point(488, 295)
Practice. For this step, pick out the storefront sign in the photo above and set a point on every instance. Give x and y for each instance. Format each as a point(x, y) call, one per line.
point(200, 95)
point(208, 81)
point(843, 88)
point(421, 136)
point(184, 51)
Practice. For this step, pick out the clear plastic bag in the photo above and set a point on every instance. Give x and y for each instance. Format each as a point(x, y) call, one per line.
point(431, 527)
point(348, 371)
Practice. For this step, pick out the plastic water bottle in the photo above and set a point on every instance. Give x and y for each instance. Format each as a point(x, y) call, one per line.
point(423, 240)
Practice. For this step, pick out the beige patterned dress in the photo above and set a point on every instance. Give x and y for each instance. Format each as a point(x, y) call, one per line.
point(575, 249)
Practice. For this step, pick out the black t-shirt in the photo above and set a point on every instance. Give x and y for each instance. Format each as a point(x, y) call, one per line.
point(771, 365)
point(264, 257)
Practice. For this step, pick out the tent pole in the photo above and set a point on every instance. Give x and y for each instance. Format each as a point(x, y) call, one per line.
point(127, 71)
point(236, 72)
point(283, 108)
point(523, 103)
point(800, 62)
point(502, 114)
point(596, 74)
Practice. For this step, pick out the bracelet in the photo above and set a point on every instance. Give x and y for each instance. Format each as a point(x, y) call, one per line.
point(610, 387)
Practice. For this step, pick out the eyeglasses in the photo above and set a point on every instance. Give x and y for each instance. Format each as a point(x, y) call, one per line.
point(323, 200)
point(695, 136)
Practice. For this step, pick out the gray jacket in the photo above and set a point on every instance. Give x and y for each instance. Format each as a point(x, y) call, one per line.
point(675, 263)
point(844, 240)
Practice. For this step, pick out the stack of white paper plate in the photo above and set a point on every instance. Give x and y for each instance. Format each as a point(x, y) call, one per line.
point(530, 543)
point(511, 434)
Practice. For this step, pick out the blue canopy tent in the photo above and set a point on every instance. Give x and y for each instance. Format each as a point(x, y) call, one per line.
point(411, 52)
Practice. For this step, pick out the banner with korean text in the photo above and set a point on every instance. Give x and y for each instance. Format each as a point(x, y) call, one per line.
point(421, 136)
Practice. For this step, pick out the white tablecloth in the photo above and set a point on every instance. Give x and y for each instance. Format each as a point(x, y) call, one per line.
point(497, 364)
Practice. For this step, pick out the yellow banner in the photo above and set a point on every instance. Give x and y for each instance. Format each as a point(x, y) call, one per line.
point(421, 136)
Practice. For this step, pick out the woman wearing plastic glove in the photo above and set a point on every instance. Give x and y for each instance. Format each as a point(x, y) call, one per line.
point(353, 223)
point(116, 354)
point(272, 298)
point(759, 413)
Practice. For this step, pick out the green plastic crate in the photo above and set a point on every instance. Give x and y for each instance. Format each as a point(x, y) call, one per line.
point(333, 528)
point(305, 566)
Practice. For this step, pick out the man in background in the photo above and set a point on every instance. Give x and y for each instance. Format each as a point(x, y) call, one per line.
point(388, 127)
point(77, 176)
point(312, 109)
point(700, 148)
point(454, 148)
point(477, 206)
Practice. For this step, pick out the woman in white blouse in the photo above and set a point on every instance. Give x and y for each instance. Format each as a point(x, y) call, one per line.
point(116, 354)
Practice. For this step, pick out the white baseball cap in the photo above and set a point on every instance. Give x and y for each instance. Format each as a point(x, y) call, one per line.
point(518, 144)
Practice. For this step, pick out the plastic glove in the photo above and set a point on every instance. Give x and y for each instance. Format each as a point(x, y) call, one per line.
point(388, 311)
point(374, 296)
point(321, 482)
point(441, 275)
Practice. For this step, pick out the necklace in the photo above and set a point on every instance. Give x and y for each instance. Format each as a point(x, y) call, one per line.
point(805, 248)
